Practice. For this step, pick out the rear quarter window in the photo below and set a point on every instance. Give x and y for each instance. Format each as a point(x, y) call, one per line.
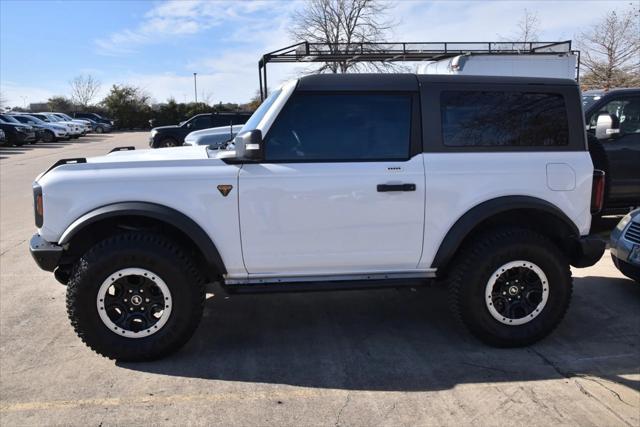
point(503, 119)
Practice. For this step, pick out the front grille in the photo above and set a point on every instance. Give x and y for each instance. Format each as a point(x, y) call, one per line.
point(633, 233)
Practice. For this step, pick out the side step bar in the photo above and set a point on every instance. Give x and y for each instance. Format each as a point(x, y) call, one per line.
point(328, 282)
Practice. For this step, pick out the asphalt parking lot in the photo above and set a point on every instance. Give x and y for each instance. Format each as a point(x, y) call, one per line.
point(361, 358)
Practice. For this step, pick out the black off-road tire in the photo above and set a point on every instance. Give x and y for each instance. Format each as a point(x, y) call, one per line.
point(474, 267)
point(135, 250)
point(168, 142)
point(48, 136)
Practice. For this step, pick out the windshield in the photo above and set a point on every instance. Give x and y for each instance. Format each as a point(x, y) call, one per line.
point(25, 119)
point(34, 119)
point(9, 119)
point(53, 118)
point(257, 116)
point(589, 100)
point(64, 116)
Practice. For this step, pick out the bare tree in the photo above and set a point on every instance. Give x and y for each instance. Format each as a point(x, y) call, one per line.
point(528, 27)
point(341, 25)
point(84, 89)
point(527, 30)
point(610, 51)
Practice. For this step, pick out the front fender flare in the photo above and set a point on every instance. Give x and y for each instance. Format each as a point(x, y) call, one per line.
point(159, 212)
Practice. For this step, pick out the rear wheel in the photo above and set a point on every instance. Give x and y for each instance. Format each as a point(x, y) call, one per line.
point(510, 287)
point(134, 297)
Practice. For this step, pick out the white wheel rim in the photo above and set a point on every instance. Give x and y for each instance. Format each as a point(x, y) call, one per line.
point(119, 330)
point(490, 292)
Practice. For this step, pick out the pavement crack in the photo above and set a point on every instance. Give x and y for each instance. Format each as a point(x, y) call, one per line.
point(489, 368)
point(344, 405)
point(13, 247)
point(615, 393)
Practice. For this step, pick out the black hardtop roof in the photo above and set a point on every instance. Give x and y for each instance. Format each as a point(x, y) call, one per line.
point(402, 82)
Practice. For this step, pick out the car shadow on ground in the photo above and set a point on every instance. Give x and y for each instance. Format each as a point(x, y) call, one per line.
point(400, 341)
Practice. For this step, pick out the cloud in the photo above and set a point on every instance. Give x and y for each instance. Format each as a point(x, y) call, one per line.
point(17, 95)
point(183, 17)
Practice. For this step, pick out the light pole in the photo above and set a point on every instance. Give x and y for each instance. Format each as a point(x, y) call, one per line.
point(24, 101)
point(195, 86)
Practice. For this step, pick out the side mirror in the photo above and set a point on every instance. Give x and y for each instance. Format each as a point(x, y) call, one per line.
point(189, 125)
point(607, 126)
point(249, 146)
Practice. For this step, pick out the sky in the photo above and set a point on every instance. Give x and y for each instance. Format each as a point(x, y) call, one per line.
point(158, 45)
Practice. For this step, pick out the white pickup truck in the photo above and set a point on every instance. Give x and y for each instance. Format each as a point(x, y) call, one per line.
point(336, 182)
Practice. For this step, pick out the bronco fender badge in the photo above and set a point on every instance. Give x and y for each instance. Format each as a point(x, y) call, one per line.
point(225, 189)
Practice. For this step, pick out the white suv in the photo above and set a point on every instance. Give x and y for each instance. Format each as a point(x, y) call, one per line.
point(336, 182)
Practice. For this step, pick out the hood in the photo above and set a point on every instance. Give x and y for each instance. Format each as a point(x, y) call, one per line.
point(221, 130)
point(162, 154)
point(165, 127)
point(18, 125)
point(65, 122)
point(126, 161)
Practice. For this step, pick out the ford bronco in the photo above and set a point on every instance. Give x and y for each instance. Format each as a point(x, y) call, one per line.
point(335, 182)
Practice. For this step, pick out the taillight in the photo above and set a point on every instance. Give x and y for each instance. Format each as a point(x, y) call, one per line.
point(38, 207)
point(597, 191)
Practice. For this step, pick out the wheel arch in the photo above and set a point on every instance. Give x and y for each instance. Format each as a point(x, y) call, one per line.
point(143, 215)
point(524, 211)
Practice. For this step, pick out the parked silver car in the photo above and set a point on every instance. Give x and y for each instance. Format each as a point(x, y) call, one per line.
point(625, 245)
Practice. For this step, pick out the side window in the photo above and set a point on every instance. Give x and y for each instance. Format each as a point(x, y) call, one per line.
point(624, 111)
point(239, 120)
point(202, 122)
point(222, 120)
point(503, 119)
point(341, 127)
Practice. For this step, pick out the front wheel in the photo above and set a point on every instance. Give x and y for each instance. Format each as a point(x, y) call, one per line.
point(168, 142)
point(135, 297)
point(510, 287)
point(99, 129)
point(48, 136)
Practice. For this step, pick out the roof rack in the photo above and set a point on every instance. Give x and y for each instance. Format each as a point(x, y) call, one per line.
point(400, 52)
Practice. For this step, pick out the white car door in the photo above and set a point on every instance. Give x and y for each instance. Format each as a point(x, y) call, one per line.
point(341, 189)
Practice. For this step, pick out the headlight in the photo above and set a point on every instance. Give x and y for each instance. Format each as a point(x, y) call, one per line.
point(153, 133)
point(623, 222)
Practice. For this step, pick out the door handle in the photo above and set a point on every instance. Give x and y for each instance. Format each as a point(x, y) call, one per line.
point(383, 188)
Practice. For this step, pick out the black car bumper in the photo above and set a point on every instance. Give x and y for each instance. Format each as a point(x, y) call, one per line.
point(589, 251)
point(632, 271)
point(45, 253)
